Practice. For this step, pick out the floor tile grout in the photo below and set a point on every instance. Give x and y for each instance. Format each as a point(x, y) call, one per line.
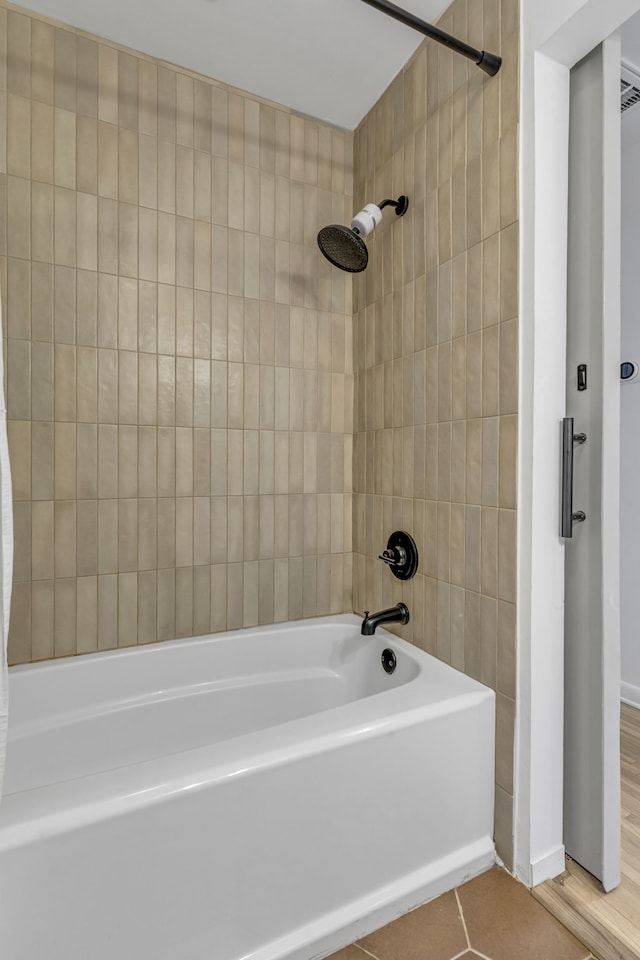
point(464, 923)
point(395, 946)
point(366, 952)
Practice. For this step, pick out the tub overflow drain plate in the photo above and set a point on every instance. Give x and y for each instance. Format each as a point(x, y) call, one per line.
point(388, 660)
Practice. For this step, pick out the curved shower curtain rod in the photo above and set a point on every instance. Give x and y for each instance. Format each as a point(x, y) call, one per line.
point(486, 61)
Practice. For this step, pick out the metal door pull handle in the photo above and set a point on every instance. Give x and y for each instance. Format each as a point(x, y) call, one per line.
point(568, 516)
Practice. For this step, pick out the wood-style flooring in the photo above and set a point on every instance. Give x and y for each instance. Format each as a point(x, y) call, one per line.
point(609, 924)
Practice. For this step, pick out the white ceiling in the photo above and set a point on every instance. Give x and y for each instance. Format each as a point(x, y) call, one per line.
point(331, 59)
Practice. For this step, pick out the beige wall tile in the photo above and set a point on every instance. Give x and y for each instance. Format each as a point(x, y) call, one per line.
point(448, 329)
point(504, 826)
point(65, 614)
point(166, 604)
point(64, 150)
point(64, 226)
point(20, 647)
point(87, 308)
point(18, 53)
point(508, 461)
point(41, 60)
point(65, 435)
point(87, 461)
point(22, 568)
point(123, 382)
point(507, 556)
point(19, 436)
point(506, 649)
point(18, 299)
point(41, 224)
point(65, 69)
point(108, 160)
point(42, 619)
point(108, 238)
point(108, 83)
point(107, 612)
point(127, 609)
point(87, 76)
point(18, 136)
point(127, 90)
point(18, 218)
point(87, 538)
point(509, 367)
point(42, 461)
point(147, 606)
point(505, 716)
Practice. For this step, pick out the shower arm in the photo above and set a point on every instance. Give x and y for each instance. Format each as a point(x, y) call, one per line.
point(486, 61)
point(400, 205)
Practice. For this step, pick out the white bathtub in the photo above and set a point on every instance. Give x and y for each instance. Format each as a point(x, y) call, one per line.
point(263, 794)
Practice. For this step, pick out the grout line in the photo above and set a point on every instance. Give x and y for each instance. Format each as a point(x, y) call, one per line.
point(464, 923)
point(458, 955)
point(366, 952)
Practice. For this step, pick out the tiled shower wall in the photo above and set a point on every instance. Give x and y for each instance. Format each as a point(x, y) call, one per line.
point(436, 359)
point(178, 354)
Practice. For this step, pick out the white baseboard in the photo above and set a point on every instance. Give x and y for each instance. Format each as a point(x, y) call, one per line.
point(547, 867)
point(630, 694)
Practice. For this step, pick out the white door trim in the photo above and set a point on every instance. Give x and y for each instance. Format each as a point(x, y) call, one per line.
point(555, 34)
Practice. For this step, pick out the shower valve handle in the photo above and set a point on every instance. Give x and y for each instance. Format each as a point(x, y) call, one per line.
point(401, 555)
point(394, 557)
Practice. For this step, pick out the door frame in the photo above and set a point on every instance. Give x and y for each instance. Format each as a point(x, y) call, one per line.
point(555, 35)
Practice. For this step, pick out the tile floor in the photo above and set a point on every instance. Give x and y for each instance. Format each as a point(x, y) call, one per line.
point(493, 917)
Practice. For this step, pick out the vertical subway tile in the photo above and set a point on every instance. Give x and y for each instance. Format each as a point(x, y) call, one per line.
point(87, 308)
point(42, 461)
point(42, 540)
point(18, 136)
point(87, 538)
point(127, 90)
point(107, 160)
point(42, 619)
point(20, 645)
point(18, 53)
point(18, 218)
point(87, 461)
point(22, 566)
point(87, 76)
point(127, 609)
point(107, 612)
point(42, 230)
point(65, 69)
point(65, 486)
point(166, 622)
point(18, 299)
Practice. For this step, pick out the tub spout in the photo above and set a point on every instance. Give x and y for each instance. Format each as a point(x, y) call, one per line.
point(397, 614)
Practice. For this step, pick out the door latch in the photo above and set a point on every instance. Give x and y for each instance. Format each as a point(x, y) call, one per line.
point(582, 376)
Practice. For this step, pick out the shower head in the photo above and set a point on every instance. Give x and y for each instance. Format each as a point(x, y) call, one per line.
point(344, 246)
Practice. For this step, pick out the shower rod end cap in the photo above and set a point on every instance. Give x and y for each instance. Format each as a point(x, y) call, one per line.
point(489, 63)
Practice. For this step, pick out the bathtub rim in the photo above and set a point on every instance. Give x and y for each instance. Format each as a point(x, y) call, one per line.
point(30, 815)
point(156, 646)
